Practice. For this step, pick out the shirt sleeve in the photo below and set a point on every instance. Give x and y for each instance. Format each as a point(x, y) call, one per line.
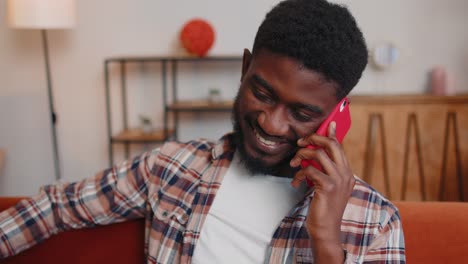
point(388, 245)
point(113, 195)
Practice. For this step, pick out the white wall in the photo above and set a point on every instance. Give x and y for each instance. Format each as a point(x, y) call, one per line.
point(428, 32)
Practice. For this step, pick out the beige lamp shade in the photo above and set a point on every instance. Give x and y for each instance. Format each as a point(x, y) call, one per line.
point(41, 14)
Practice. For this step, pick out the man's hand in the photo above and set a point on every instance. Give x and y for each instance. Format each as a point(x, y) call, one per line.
point(333, 187)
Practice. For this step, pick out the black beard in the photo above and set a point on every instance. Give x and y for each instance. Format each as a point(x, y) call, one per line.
point(256, 165)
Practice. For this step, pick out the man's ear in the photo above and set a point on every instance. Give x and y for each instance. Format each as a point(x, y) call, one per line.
point(247, 57)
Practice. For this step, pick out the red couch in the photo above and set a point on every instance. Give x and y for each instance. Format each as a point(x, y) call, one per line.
point(435, 232)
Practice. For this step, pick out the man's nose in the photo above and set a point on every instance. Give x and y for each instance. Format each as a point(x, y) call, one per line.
point(274, 121)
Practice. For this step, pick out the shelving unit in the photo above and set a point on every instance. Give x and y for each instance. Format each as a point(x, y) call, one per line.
point(172, 107)
point(200, 106)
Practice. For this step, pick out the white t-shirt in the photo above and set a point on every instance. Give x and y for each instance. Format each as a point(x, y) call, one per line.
point(244, 215)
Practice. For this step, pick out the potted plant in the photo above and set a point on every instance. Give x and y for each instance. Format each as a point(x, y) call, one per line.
point(214, 96)
point(146, 124)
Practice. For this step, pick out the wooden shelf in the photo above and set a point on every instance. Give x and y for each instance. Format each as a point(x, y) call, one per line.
point(200, 105)
point(408, 98)
point(221, 58)
point(138, 136)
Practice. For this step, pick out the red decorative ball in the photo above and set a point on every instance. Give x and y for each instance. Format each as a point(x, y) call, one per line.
point(197, 37)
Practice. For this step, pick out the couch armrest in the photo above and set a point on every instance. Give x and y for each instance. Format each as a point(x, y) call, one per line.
point(7, 202)
point(116, 243)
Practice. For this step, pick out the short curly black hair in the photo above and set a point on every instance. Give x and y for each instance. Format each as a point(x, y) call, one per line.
point(324, 37)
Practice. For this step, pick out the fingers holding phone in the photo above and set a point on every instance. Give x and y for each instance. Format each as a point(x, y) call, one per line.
point(320, 171)
point(327, 138)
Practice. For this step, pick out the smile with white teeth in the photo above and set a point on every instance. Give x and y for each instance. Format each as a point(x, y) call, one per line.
point(265, 141)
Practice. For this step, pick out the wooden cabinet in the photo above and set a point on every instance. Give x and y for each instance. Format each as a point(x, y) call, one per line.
point(411, 147)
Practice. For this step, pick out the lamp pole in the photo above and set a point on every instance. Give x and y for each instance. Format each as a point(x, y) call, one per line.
point(53, 117)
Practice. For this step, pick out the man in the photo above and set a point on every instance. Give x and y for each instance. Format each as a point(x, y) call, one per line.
point(232, 201)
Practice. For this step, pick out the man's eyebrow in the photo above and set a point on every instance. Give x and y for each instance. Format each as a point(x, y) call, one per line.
point(263, 83)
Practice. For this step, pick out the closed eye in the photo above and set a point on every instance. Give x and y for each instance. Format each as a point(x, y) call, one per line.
point(262, 94)
point(302, 116)
point(305, 112)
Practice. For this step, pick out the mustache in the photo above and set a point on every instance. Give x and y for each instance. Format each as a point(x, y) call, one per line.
point(290, 141)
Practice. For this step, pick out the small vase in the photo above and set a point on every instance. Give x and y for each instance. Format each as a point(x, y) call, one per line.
point(441, 82)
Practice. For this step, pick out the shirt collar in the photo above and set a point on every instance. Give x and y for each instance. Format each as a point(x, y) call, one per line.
point(223, 146)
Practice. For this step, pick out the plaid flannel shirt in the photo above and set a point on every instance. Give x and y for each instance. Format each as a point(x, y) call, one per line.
point(173, 187)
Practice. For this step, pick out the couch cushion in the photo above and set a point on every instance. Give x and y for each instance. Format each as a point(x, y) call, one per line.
point(435, 232)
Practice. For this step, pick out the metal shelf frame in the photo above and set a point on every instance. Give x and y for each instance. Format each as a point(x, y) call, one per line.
point(172, 105)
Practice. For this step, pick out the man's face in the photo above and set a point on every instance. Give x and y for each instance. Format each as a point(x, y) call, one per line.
point(278, 102)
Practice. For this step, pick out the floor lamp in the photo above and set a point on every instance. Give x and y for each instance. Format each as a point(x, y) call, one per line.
point(44, 15)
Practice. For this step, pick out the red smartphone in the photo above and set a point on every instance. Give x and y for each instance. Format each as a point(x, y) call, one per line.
point(342, 118)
